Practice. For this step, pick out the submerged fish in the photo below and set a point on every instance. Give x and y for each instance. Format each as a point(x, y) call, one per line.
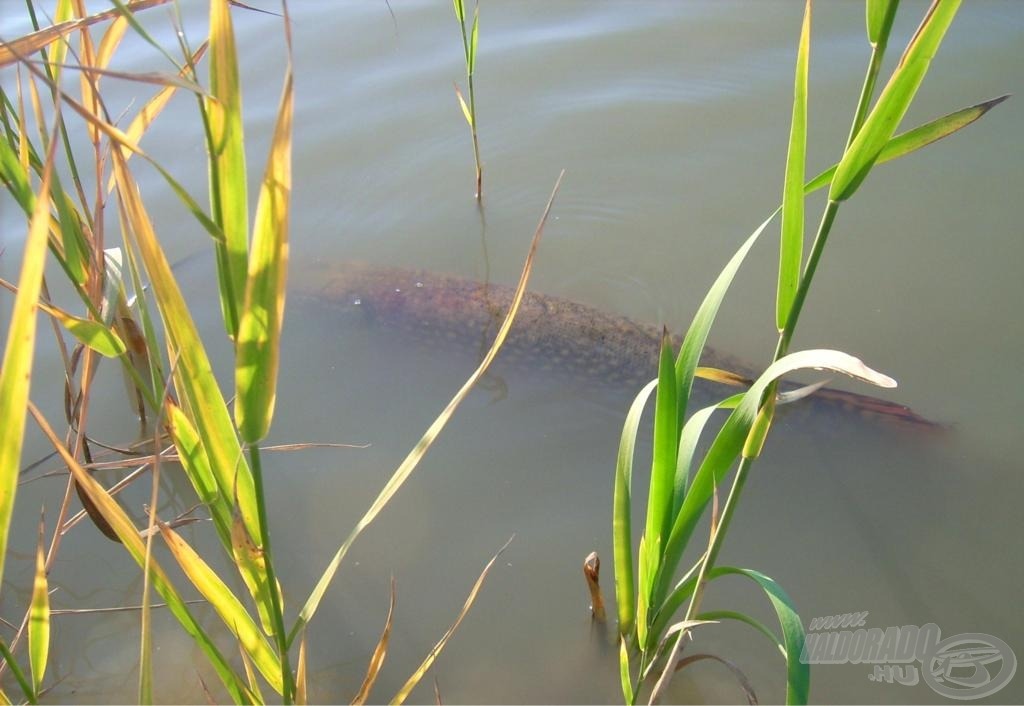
point(549, 333)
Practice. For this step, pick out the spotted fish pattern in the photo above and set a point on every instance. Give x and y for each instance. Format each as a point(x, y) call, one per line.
point(549, 332)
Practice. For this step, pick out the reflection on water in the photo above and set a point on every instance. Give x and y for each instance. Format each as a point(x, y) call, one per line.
point(671, 120)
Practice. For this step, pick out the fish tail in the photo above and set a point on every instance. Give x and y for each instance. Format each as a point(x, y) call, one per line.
point(874, 408)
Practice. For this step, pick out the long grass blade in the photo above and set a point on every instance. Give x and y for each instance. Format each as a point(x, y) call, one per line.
point(792, 245)
point(257, 352)
point(379, 653)
point(413, 680)
point(39, 618)
point(21, 47)
point(19, 676)
point(663, 463)
point(301, 687)
point(128, 534)
point(798, 674)
point(16, 373)
point(688, 439)
point(228, 184)
point(407, 466)
point(622, 511)
point(194, 379)
point(916, 138)
point(697, 334)
point(894, 101)
point(227, 606)
point(625, 678)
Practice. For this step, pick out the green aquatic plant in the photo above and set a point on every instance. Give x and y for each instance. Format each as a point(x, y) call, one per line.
point(136, 314)
point(469, 44)
point(649, 594)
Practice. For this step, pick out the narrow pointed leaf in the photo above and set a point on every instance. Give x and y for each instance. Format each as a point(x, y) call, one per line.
point(697, 334)
point(258, 347)
point(792, 243)
point(301, 693)
point(227, 605)
point(407, 466)
point(413, 680)
point(894, 101)
point(916, 138)
point(465, 108)
point(379, 653)
point(16, 373)
point(663, 463)
point(228, 186)
point(798, 674)
point(128, 534)
point(474, 35)
point(625, 590)
point(39, 619)
point(624, 675)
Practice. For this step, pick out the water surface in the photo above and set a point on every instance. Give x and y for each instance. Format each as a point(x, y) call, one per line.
point(671, 120)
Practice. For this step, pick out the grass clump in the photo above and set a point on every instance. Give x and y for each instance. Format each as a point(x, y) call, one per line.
point(649, 594)
point(135, 314)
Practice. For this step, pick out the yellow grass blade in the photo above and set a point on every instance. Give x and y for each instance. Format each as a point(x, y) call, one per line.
point(227, 605)
point(110, 41)
point(407, 466)
point(252, 563)
point(379, 653)
point(16, 372)
point(409, 685)
point(63, 12)
point(194, 379)
point(39, 618)
point(254, 685)
point(129, 536)
point(257, 352)
point(21, 47)
point(301, 695)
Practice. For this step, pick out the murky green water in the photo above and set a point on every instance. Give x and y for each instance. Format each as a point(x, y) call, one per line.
point(671, 120)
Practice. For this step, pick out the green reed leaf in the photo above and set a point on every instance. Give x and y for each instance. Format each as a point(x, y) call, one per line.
point(894, 101)
point(228, 181)
point(226, 604)
point(732, 436)
point(880, 14)
point(791, 247)
point(622, 532)
point(39, 618)
point(916, 138)
point(257, 353)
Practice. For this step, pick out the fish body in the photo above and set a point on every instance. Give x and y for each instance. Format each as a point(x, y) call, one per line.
point(549, 333)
